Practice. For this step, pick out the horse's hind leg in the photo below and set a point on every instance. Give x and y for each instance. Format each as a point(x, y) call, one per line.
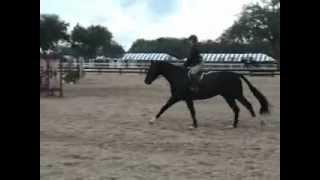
point(193, 112)
point(232, 103)
point(246, 104)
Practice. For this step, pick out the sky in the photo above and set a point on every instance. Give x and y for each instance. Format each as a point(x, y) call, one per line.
point(129, 20)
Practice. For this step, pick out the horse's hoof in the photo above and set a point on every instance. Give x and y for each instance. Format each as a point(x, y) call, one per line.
point(229, 127)
point(262, 123)
point(191, 128)
point(151, 121)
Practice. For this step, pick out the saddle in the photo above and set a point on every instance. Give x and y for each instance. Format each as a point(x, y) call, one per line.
point(201, 74)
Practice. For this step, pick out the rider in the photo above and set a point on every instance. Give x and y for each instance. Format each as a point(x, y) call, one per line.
point(194, 61)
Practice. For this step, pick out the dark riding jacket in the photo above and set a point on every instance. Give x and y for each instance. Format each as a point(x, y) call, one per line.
point(194, 57)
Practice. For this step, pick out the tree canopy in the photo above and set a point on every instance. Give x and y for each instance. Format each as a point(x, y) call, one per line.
point(173, 46)
point(257, 24)
point(52, 30)
point(94, 40)
point(86, 42)
point(257, 30)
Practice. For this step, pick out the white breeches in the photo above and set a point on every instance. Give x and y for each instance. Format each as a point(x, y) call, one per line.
point(195, 69)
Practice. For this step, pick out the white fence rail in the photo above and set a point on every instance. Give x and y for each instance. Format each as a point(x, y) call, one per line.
point(141, 67)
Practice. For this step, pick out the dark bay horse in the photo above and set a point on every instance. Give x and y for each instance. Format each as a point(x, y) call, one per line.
point(226, 84)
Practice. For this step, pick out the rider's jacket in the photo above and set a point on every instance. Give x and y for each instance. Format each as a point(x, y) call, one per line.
point(194, 57)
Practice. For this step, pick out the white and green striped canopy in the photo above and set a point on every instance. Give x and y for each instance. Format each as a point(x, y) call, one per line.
point(148, 57)
point(212, 57)
point(221, 57)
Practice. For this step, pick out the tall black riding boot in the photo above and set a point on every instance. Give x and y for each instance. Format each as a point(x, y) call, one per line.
point(194, 83)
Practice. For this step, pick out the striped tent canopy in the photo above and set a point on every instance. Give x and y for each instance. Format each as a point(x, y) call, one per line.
point(220, 57)
point(148, 57)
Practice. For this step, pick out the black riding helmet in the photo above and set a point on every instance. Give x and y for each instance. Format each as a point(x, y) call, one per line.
point(193, 38)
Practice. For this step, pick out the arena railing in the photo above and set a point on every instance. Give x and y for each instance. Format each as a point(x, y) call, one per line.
point(141, 67)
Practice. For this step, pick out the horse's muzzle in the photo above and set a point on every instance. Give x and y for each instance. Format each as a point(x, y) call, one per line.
point(147, 82)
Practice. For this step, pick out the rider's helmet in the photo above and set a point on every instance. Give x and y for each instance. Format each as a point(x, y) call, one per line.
point(193, 38)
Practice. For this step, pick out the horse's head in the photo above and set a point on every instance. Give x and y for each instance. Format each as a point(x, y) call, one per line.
point(153, 72)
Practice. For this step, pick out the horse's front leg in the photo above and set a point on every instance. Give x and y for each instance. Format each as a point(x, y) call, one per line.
point(193, 112)
point(169, 103)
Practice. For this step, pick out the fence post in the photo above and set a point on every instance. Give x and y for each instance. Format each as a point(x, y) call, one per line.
point(78, 70)
point(48, 77)
point(61, 78)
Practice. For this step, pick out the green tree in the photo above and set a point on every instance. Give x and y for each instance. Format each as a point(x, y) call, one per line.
point(173, 46)
point(113, 50)
point(257, 24)
point(52, 30)
point(94, 40)
point(218, 47)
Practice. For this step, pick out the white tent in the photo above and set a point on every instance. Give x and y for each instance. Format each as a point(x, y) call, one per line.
point(148, 57)
point(221, 57)
point(207, 57)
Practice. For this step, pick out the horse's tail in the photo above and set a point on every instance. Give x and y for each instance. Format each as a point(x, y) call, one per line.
point(265, 106)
